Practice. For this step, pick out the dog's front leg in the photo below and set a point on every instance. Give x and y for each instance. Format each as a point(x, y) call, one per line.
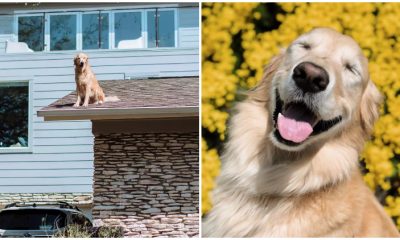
point(87, 96)
point(78, 101)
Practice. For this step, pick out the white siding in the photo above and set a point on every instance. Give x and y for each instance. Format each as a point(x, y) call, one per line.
point(62, 157)
point(188, 27)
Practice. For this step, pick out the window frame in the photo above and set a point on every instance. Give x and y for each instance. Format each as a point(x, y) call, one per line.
point(28, 149)
point(111, 22)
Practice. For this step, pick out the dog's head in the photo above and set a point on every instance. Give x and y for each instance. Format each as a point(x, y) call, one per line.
point(81, 61)
point(317, 89)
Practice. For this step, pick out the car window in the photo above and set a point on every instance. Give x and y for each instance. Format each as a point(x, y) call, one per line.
point(32, 219)
point(80, 219)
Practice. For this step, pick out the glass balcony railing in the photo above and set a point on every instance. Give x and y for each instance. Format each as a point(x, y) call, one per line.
point(87, 30)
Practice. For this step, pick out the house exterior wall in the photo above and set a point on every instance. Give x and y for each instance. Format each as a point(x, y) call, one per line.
point(62, 153)
point(188, 30)
point(147, 183)
point(61, 159)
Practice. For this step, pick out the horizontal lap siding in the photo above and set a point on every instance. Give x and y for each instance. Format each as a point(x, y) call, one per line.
point(188, 27)
point(62, 158)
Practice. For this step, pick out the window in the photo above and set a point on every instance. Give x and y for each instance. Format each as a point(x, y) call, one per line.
point(92, 38)
point(161, 28)
point(32, 219)
point(151, 29)
point(128, 30)
point(31, 31)
point(80, 219)
point(63, 32)
point(14, 116)
point(108, 29)
point(166, 29)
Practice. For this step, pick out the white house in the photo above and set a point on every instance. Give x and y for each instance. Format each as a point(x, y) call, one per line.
point(54, 160)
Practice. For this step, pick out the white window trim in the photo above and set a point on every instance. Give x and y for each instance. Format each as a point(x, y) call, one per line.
point(177, 28)
point(111, 34)
point(111, 16)
point(28, 149)
point(79, 43)
point(47, 33)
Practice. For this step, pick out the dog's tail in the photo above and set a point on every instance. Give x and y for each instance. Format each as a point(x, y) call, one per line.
point(111, 99)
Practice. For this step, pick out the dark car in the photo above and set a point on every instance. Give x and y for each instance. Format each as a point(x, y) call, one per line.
point(31, 220)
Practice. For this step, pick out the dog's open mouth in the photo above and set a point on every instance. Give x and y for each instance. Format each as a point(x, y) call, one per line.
point(295, 122)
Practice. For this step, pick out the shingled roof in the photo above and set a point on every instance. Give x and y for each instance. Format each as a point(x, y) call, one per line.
point(145, 98)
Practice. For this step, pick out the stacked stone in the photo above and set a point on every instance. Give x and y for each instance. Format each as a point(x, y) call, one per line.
point(148, 183)
point(76, 199)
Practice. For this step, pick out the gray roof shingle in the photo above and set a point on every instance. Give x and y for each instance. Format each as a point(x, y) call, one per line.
point(137, 98)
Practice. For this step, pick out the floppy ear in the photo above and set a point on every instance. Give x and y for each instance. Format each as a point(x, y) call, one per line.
point(370, 103)
point(259, 92)
point(273, 65)
point(75, 59)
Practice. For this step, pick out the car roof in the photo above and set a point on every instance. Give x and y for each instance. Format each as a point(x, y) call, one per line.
point(41, 208)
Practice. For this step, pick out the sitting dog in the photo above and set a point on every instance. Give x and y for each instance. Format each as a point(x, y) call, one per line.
point(290, 167)
point(87, 86)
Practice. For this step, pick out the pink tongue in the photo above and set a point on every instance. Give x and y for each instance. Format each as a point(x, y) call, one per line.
point(292, 130)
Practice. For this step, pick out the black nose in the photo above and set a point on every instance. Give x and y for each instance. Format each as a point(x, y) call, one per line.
point(81, 64)
point(310, 77)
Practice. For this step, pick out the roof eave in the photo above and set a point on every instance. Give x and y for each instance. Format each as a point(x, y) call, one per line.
point(121, 113)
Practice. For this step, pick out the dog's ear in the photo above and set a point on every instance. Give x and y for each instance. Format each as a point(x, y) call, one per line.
point(370, 103)
point(259, 91)
point(75, 58)
point(273, 66)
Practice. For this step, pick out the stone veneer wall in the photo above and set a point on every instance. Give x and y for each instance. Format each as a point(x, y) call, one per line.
point(148, 183)
point(77, 199)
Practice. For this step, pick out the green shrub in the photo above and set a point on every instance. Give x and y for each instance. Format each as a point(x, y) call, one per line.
point(74, 231)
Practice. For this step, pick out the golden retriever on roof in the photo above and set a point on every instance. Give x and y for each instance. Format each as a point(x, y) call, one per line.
point(88, 89)
point(290, 167)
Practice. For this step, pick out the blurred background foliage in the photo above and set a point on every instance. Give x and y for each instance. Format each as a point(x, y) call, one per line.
point(238, 39)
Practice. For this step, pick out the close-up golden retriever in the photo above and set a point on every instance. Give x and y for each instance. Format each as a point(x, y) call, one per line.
point(87, 86)
point(291, 164)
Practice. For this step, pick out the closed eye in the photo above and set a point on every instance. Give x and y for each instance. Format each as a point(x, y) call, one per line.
point(305, 45)
point(352, 68)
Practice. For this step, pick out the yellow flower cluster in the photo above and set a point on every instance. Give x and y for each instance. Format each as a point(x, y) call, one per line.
point(210, 170)
point(218, 60)
point(237, 43)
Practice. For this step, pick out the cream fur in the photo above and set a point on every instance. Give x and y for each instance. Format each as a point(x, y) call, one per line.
point(314, 190)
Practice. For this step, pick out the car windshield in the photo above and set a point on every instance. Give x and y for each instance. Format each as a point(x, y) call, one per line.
point(32, 219)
